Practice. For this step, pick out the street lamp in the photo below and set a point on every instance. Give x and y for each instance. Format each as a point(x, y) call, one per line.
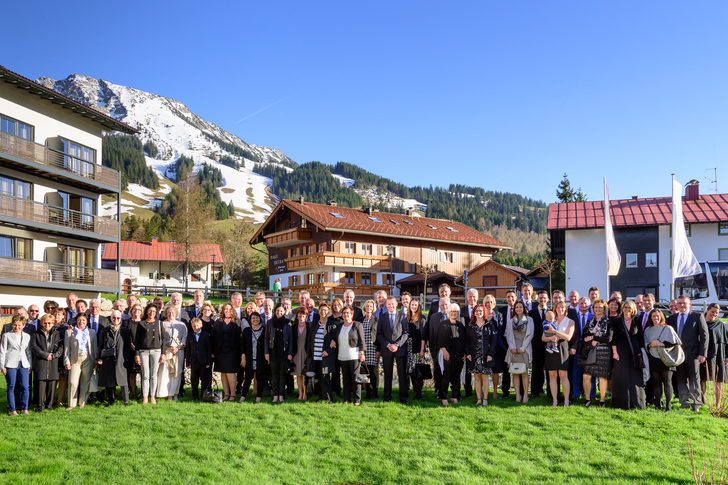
point(390, 252)
point(213, 272)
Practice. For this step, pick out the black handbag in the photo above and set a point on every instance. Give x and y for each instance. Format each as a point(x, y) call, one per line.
point(423, 372)
point(290, 367)
point(213, 396)
point(588, 357)
point(108, 353)
point(638, 360)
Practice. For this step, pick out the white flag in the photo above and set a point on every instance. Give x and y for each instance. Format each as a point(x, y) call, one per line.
point(613, 257)
point(684, 262)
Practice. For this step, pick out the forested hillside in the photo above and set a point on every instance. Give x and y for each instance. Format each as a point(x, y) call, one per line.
point(125, 154)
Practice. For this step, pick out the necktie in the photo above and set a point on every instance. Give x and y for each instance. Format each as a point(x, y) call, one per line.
point(197, 312)
point(542, 312)
point(391, 320)
point(470, 312)
point(682, 324)
point(583, 321)
point(197, 336)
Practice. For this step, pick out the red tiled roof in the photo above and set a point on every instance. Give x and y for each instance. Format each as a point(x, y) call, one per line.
point(359, 221)
point(636, 212)
point(513, 269)
point(162, 251)
point(420, 278)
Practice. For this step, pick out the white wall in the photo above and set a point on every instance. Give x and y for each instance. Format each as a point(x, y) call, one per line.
point(586, 260)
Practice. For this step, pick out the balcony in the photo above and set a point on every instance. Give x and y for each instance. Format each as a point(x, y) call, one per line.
point(23, 272)
point(48, 218)
point(41, 160)
point(325, 259)
point(289, 237)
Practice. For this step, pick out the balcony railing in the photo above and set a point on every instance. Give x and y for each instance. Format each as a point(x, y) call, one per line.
point(38, 271)
point(314, 260)
point(289, 237)
point(49, 157)
point(37, 213)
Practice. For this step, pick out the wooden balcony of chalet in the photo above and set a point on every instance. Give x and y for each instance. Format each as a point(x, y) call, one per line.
point(327, 258)
point(289, 237)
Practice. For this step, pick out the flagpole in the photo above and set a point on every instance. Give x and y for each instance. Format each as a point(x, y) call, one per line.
point(672, 256)
point(606, 235)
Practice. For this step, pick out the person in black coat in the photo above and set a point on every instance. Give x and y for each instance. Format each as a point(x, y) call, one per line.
point(417, 341)
point(507, 313)
point(278, 351)
point(481, 343)
point(198, 354)
point(226, 352)
point(434, 320)
point(46, 346)
point(451, 343)
point(253, 358)
point(115, 341)
point(392, 335)
point(628, 385)
point(321, 356)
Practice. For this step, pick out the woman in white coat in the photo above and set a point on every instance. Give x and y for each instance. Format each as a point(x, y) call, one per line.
point(519, 333)
point(15, 359)
point(79, 357)
point(172, 369)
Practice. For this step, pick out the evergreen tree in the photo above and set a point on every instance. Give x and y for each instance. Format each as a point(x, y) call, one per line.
point(565, 193)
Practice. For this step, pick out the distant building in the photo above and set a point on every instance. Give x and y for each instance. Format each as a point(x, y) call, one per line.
point(155, 264)
point(643, 232)
point(491, 278)
point(51, 182)
point(320, 247)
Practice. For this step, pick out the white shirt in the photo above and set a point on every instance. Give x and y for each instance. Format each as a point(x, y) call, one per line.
point(346, 352)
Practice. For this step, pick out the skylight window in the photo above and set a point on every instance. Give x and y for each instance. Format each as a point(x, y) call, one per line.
point(394, 222)
point(374, 219)
point(336, 214)
point(452, 229)
point(431, 226)
point(409, 222)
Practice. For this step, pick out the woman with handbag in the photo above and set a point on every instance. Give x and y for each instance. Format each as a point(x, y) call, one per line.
point(172, 369)
point(557, 362)
point(79, 356)
point(278, 351)
point(519, 334)
point(46, 345)
point(416, 356)
point(300, 355)
point(348, 342)
point(60, 327)
point(114, 358)
point(15, 361)
point(371, 362)
point(480, 346)
point(132, 324)
point(253, 357)
point(596, 351)
point(628, 380)
point(226, 352)
point(713, 369)
point(149, 344)
point(501, 349)
point(451, 345)
point(659, 337)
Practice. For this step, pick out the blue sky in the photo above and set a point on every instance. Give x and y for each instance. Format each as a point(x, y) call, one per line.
point(503, 95)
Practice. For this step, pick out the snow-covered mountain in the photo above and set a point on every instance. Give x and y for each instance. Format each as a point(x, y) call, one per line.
point(176, 131)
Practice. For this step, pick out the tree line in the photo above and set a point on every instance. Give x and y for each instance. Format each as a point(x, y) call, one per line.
point(125, 154)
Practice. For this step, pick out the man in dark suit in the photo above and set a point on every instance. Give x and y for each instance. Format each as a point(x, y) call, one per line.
point(444, 291)
point(71, 310)
point(582, 316)
point(538, 346)
point(199, 358)
point(194, 310)
point(96, 321)
point(507, 313)
point(349, 301)
point(693, 331)
point(466, 313)
point(405, 299)
point(434, 320)
point(392, 335)
point(380, 298)
point(648, 303)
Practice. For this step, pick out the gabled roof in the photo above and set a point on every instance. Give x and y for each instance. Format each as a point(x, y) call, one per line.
point(33, 87)
point(637, 212)
point(162, 251)
point(517, 270)
point(359, 221)
point(420, 278)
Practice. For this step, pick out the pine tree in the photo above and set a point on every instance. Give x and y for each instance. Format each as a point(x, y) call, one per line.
point(567, 194)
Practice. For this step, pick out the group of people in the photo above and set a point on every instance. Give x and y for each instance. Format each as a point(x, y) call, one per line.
point(335, 349)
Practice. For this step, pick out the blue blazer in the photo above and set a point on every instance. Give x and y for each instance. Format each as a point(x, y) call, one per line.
point(386, 334)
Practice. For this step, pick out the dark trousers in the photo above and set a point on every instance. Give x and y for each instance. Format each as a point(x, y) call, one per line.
point(417, 385)
point(388, 363)
point(241, 379)
point(124, 394)
point(336, 379)
point(506, 383)
point(277, 375)
point(17, 379)
point(198, 372)
point(538, 375)
point(45, 390)
point(371, 389)
point(468, 385)
point(349, 370)
point(687, 375)
point(436, 373)
point(577, 388)
point(289, 384)
point(323, 386)
point(658, 380)
point(261, 378)
point(450, 377)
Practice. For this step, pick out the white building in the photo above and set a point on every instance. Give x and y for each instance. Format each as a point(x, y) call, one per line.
point(162, 264)
point(51, 182)
point(643, 232)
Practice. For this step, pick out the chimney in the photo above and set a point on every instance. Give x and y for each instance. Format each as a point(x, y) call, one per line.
point(692, 190)
point(332, 202)
point(369, 210)
point(154, 241)
point(300, 200)
point(634, 197)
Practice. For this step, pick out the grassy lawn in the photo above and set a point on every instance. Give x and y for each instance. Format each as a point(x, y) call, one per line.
point(376, 443)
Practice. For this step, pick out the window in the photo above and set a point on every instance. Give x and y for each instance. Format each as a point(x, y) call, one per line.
point(411, 267)
point(723, 228)
point(16, 128)
point(366, 249)
point(431, 226)
point(631, 260)
point(723, 254)
point(452, 229)
point(394, 222)
point(350, 248)
point(76, 204)
point(689, 229)
point(293, 252)
point(294, 280)
point(650, 260)
point(321, 247)
point(310, 248)
point(15, 247)
point(366, 278)
point(310, 278)
point(15, 188)
point(321, 278)
point(303, 223)
point(389, 279)
point(80, 159)
point(446, 257)
point(336, 214)
point(409, 222)
point(195, 277)
point(349, 278)
point(374, 219)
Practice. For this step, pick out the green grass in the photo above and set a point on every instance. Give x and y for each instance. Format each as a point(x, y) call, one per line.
point(312, 442)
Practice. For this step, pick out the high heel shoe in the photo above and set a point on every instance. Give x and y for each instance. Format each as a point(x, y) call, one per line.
point(602, 404)
point(587, 403)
